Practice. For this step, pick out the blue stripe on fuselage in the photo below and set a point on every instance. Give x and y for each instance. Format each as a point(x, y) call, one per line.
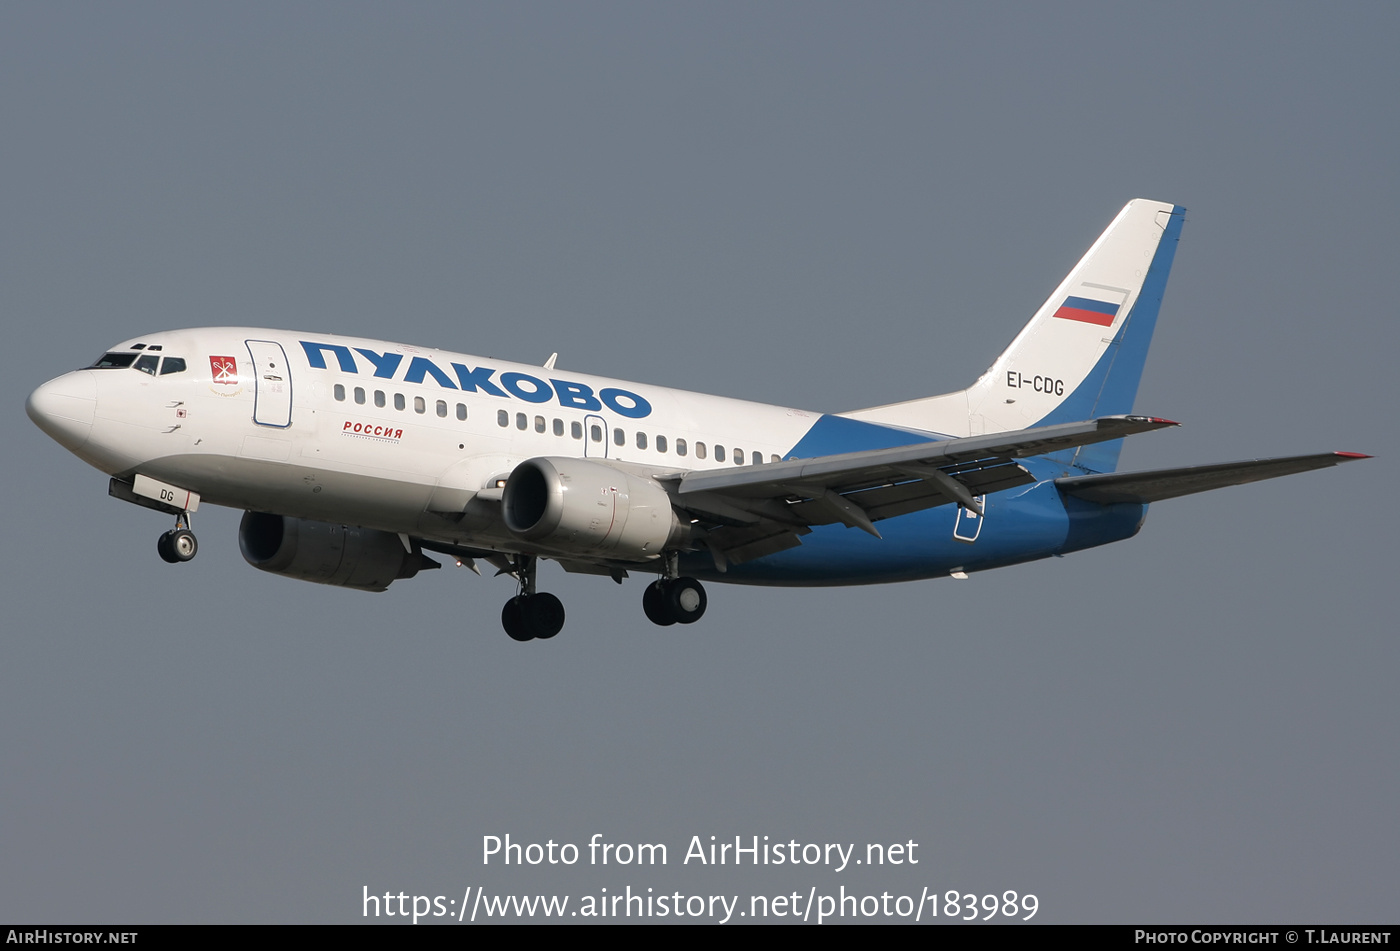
point(1021, 524)
point(833, 435)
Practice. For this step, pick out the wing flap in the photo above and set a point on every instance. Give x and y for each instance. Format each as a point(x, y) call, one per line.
point(732, 546)
point(1158, 484)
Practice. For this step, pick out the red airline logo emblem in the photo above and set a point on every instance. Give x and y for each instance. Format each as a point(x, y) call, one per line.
point(225, 369)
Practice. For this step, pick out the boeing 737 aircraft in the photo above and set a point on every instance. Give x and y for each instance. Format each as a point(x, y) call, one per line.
point(353, 457)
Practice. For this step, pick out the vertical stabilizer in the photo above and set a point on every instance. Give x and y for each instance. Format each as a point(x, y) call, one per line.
point(1083, 352)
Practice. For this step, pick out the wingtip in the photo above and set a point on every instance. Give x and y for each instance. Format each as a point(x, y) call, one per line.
point(1352, 455)
point(1154, 420)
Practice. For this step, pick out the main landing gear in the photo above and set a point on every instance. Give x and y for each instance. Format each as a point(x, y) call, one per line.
point(529, 614)
point(178, 544)
point(674, 600)
point(532, 614)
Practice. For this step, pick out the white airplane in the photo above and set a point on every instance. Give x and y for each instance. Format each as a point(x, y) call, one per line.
point(352, 457)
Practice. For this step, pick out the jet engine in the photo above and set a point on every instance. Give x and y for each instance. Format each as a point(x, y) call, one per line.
point(588, 508)
point(345, 555)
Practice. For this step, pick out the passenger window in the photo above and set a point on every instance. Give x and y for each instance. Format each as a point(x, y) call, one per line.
point(757, 458)
point(619, 438)
point(558, 427)
point(379, 398)
point(420, 405)
point(399, 402)
point(522, 422)
point(172, 365)
point(595, 433)
point(442, 408)
point(340, 392)
point(147, 364)
point(738, 457)
point(576, 429)
point(641, 440)
point(719, 454)
point(776, 458)
point(461, 410)
point(660, 443)
point(502, 418)
point(700, 450)
point(539, 424)
point(680, 447)
point(360, 395)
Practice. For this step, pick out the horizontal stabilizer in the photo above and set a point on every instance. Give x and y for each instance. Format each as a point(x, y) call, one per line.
point(1157, 484)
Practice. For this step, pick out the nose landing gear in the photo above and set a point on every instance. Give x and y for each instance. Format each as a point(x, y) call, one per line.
point(179, 544)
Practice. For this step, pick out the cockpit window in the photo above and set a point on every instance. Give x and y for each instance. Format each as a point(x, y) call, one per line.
point(172, 365)
point(147, 363)
point(113, 361)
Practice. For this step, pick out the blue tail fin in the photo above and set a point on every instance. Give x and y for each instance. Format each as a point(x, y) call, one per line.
point(1083, 352)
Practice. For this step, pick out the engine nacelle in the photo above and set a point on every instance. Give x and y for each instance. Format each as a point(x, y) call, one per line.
point(588, 508)
point(345, 555)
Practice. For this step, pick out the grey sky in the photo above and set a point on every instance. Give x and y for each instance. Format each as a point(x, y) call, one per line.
point(828, 206)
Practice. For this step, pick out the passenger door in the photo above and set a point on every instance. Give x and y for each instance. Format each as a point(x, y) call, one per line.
point(272, 384)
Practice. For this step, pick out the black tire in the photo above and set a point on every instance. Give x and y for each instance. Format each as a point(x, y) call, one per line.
point(165, 548)
point(543, 615)
point(686, 599)
point(656, 606)
point(513, 621)
point(183, 545)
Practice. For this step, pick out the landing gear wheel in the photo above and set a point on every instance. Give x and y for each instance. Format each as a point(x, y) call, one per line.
point(529, 616)
point(686, 599)
point(183, 544)
point(512, 619)
point(177, 545)
point(543, 614)
point(656, 606)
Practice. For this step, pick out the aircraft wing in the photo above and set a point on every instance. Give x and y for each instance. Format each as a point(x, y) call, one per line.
point(1157, 484)
point(758, 510)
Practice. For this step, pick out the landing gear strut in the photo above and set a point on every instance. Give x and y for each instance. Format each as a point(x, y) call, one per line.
point(671, 599)
point(531, 614)
point(178, 544)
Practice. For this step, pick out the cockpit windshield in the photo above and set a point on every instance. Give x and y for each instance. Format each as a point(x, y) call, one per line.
point(145, 362)
point(113, 361)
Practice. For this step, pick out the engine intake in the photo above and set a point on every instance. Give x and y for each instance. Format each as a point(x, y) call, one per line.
point(320, 552)
point(588, 508)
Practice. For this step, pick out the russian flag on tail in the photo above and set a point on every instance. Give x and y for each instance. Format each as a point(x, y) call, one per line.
point(1089, 311)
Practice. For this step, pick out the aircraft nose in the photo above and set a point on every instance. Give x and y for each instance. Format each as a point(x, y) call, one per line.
point(64, 408)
